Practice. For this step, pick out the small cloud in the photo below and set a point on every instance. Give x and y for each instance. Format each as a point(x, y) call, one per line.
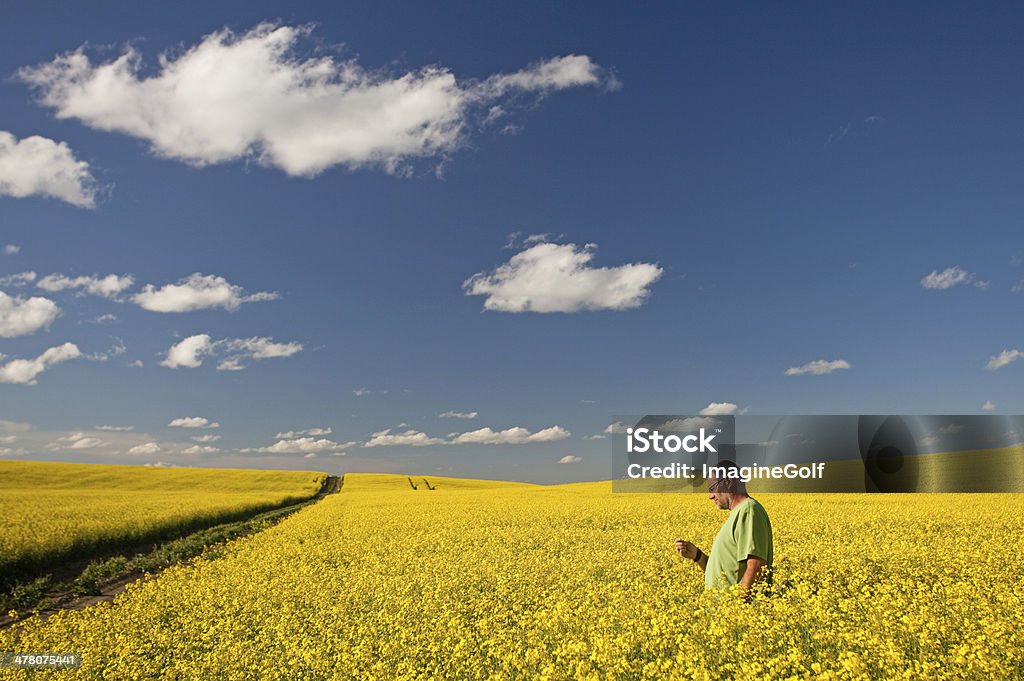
point(38, 166)
point(818, 367)
point(550, 277)
point(989, 405)
point(511, 436)
point(197, 449)
point(147, 448)
point(300, 433)
point(205, 438)
point(136, 364)
point(191, 351)
point(116, 429)
point(12, 249)
point(947, 278)
point(616, 428)
point(104, 319)
point(1003, 358)
point(459, 415)
point(197, 292)
point(110, 286)
point(302, 445)
point(570, 459)
point(719, 409)
point(193, 422)
point(18, 280)
point(595, 437)
point(25, 371)
point(23, 316)
point(411, 438)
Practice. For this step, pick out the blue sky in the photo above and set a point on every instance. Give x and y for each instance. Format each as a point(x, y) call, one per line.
point(664, 208)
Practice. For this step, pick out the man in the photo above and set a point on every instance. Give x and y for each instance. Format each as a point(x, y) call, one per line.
point(742, 552)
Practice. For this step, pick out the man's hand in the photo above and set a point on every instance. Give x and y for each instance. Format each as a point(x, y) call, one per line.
point(686, 549)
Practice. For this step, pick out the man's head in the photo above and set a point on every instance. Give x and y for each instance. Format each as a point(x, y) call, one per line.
point(722, 489)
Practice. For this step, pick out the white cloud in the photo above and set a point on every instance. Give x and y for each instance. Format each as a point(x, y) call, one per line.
point(511, 436)
point(189, 352)
point(196, 292)
point(231, 364)
point(616, 428)
point(8, 439)
point(87, 443)
point(138, 364)
point(718, 409)
point(77, 440)
point(570, 459)
point(989, 405)
point(691, 424)
point(302, 445)
point(300, 433)
point(20, 316)
point(193, 422)
point(147, 448)
point(109, 286)
point(251, 95)
point(1003, 358)
point(558, 278)
point(818, 367)
point(19, 279)
point(14, 426)
point(12, 249)
point(24, 371)
point(414, 438)
point(104, 319)
point(595, 437)
point(118, 429)
point(206, 438)
point(947, 278)
point(253, 348)
point(39, 166)
point(459, 415)
point(197, 449)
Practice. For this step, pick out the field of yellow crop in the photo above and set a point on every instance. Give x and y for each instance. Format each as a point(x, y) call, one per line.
point(58, 510)
point(507, 581)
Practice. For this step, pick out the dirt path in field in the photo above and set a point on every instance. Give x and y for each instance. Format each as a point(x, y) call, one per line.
point(110, 589)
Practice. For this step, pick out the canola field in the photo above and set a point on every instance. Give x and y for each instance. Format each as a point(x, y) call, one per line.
point(479, 580)
point(54, 511)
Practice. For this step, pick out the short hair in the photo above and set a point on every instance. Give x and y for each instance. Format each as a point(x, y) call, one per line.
point(729, 465)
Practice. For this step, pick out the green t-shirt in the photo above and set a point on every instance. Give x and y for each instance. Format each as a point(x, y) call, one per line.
point(746, 532)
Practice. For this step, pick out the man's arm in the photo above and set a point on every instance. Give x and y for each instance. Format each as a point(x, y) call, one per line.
point(753, 574)
point(691, 552)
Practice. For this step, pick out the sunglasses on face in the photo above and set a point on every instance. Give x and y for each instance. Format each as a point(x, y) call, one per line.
point(711, 488)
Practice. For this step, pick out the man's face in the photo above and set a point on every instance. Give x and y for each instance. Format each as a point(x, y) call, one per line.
point(718, 493)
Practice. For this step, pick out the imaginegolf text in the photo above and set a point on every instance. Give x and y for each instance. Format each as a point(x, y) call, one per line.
point(744, 473)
